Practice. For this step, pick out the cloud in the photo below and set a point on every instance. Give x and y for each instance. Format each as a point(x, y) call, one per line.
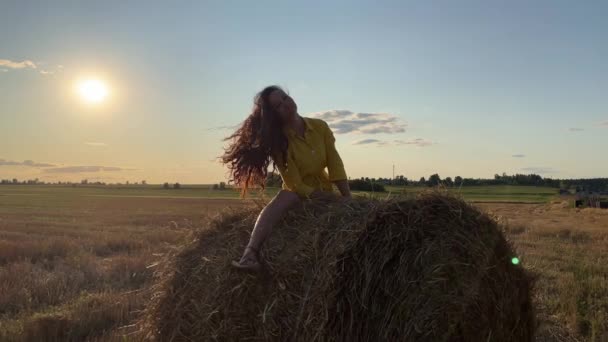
point(220, 128)
point(29, 163)
point(518, 156)
point(346, 121)
point(96, 144)
point(539, 170)
point(419, 142)
point(603, 124)
point(79, 169)
point(17, 65)
point(366, 141)
point(575, 129)
point(52, 168)
point(28, 64)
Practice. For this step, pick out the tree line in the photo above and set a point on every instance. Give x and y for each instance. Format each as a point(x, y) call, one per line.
point(379, 184)
point(36, 181)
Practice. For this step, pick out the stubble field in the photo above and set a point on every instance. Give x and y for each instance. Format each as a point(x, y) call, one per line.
point(76, 263)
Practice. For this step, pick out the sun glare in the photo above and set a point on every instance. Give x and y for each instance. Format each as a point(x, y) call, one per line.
point(93, 91)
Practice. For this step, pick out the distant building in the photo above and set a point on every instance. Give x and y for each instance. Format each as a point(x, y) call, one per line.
point(590, 199)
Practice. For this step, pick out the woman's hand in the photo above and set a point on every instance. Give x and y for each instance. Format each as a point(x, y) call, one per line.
point(343, 187)
point(326, 196)
point(323, 195)
point(346, 198)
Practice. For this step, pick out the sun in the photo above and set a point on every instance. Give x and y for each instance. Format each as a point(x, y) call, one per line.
point(93, 90)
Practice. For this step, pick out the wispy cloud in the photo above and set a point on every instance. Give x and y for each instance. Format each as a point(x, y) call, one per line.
point(603, 123)
point(518, 156)
point(28, 64)
point(96, 144)
point(80, 169)
point(17, 65)
point(575, 129)
point(53, 168)
point(539, 170)
point(220, 128)
point(346, 121)
point(367, 142)
point(29, 163)
point(419, 142)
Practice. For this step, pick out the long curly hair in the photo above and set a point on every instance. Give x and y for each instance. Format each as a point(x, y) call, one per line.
point(254, 143)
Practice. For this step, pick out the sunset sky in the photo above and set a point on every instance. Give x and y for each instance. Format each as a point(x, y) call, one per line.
point(469, 88)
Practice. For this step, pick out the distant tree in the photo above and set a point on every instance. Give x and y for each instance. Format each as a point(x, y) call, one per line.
point(448, 182)
point(458, 180)
point(166, 185)
point(216, 186)
point(422, 181)
point(15, 181)
point(363, 185)
point(434, 180)
point(400, 180)
point(127, 182)
point(143, 182)
point(176, 186)
point(222, 185)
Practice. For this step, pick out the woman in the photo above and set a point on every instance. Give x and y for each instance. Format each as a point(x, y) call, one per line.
point(300, 148)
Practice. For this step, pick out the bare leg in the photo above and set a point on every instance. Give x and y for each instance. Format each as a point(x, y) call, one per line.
point(268, 218)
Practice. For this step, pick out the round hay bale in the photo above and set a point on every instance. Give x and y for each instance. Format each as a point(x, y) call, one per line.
point(427, 269)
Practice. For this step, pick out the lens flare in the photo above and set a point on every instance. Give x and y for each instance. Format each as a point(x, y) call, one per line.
point(515, 261)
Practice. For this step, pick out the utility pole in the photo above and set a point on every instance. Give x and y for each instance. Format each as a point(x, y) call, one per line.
point(393, 179)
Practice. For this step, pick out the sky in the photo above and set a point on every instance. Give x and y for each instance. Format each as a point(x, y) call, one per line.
point(459, 88)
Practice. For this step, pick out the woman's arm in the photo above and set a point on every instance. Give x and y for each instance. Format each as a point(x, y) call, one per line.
point(343, 187)
point(335, 166)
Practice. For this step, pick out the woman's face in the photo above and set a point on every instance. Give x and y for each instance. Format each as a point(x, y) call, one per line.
point(283, 105)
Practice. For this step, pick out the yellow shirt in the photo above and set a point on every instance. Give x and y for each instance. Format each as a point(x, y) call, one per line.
point(307, 159)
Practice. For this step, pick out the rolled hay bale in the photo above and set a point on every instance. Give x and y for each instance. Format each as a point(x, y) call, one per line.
point(427, 269)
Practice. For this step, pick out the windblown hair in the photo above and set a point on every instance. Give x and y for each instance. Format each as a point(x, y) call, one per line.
point(254, 143)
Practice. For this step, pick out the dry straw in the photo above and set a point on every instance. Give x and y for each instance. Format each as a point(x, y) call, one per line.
point(432, 268)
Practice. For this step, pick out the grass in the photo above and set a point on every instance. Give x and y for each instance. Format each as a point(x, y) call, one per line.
point(75, 261)
point(495, 193)
point(499, 193)
point(567, 249)
point(76, 266)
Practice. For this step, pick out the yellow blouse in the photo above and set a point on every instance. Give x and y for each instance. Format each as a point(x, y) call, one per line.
point(307, 159)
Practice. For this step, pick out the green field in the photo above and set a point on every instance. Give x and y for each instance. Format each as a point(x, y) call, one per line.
point(504, 193)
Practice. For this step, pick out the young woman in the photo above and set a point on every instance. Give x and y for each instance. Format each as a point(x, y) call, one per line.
point(300, 148)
